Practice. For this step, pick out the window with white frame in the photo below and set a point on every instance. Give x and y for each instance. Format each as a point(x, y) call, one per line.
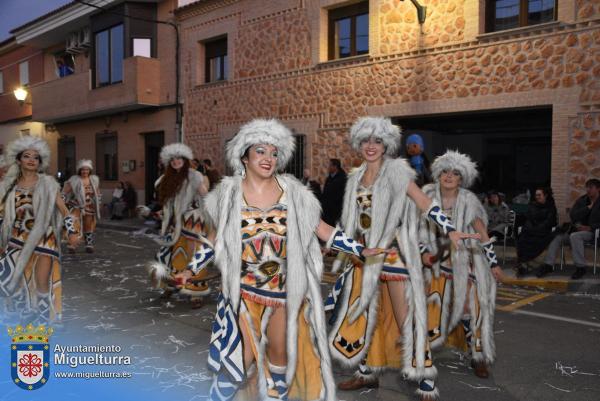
point(24, 73)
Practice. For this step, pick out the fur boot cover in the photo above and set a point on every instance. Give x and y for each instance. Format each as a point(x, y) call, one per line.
point(392, 217)
point(223, 208)
point(466, 209)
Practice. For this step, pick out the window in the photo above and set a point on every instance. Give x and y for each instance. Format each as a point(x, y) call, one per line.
point(65, 64)
point(24, 73)
point(106, 156)
point(349, 31)
point(1, 82)
point(508, 14)
point(109, 56)
point(296, 164)
point(216, 68)
point(142, 47)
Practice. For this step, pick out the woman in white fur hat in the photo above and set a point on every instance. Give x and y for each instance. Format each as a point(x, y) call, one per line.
point(180, 190)
point(30, 229)
point(462, 292)
point(379, 306)
point(267, 227)
point(82, 196)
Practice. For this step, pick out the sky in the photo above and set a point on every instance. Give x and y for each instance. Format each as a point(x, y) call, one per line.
point(14, 13)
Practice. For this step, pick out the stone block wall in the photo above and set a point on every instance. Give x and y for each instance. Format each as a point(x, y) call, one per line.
point(412, 71)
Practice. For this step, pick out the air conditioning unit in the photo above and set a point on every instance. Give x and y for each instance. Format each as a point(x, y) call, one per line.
point(72, 44)
point(85, 38)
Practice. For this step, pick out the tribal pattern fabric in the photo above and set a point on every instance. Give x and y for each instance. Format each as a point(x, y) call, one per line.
point(436, 214)
point(264, 237)
point(203, 256)
point(69, 224)
point(490, 254)
point(343, 243)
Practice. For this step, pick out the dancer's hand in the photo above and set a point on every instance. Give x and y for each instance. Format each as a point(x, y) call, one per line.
point(457, 236)
point(498, 274)
point(373, 251)
point(428, 259)
point(182, 278)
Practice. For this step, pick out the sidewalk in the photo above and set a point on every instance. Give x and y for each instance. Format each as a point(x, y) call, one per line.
point(559, 280)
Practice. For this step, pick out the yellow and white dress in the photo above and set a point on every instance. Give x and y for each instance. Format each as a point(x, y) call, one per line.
point(27, 299)
point(385, 348)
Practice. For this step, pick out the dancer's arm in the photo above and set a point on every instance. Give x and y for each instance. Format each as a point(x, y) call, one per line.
point(340, 241)
point(488, 249)
point(435, 213)
point(68, 221)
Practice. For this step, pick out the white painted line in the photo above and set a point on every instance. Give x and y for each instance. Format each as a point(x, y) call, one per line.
point(554, 317)
point(127, 246)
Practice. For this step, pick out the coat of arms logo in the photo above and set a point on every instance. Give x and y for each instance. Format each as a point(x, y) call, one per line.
point(30, 355)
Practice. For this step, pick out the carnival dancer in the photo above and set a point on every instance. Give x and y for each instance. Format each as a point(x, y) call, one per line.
point(82, 196)
point(30, 221)
point(462, 290)
point(267, 249)
point(180, 190)
point(379, 306)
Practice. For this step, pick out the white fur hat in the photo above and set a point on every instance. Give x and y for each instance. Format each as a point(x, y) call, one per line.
point(173, 150)
point(378, 127)
point(28, 142)
point(84, 163)
point(454, 160)
point(261, 131)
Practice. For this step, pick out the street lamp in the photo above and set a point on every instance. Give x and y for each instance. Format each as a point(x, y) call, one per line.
point(21, 95)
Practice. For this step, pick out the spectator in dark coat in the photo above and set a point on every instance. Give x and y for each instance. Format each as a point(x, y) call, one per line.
point(537, 231)
point(130, 198)
point(585, 220)
point(314, 186)
point(333, 192)
point(497, 212)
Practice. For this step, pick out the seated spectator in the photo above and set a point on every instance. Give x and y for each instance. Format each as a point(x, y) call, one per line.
point(497, 212)
point(117, 203)
point(537, 231)
point(585, 219)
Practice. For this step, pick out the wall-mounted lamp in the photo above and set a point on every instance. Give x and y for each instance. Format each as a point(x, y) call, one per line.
point(421, 11)
point(21, 95)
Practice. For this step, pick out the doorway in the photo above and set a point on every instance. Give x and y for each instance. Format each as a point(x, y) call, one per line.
point(153, 143)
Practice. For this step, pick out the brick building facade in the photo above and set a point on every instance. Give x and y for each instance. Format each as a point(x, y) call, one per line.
point(460, 64)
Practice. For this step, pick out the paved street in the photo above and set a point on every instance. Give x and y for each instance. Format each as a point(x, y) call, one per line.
point(547, 343)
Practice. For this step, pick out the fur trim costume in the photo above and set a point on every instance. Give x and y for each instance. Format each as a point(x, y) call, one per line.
point(24, 244)
point(364, 329)
point(456, 273)
point(84, 200)
point(380, 127)
point(182, 230)
point(259, 131)
point(308, 374)
point(173, 150)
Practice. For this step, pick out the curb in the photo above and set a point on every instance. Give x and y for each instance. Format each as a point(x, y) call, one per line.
point(557, 285)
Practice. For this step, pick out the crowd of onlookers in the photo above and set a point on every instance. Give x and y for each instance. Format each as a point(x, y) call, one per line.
point(540, 230)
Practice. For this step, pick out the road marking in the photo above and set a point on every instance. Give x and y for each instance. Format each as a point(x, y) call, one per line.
point(559, 318)
point(522, 302)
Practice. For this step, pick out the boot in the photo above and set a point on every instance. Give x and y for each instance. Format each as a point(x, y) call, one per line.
point(543, 270)
point(90, 239)
point(480, 369)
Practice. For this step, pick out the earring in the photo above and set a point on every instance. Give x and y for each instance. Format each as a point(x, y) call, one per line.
point(243, 173)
